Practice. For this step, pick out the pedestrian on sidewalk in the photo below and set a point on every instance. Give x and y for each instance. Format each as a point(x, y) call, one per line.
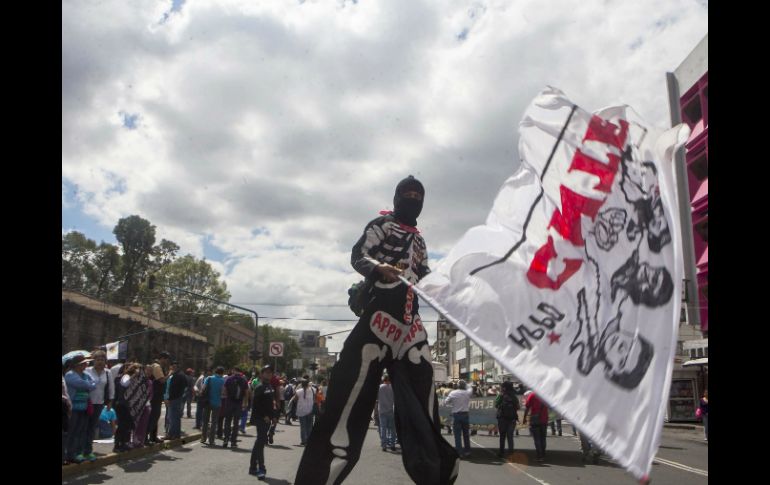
point(385, 408)
point(66, 412)
point(460, 400)
point(555, 424)
point(589, 449)
point(79, 385)
point(247, 404)
point(140, 430)
point(189, 392)
point(159, 376)
point(262, 415)
point(235, 389)
point(704, 413)
point(174, 397)
point(101, 396)
point(212, 392)
point(507, 405)
point(288, 395)
point(303, 400)
point(197, 388)
point(538, 422)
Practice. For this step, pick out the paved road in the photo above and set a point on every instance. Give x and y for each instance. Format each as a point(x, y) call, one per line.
point(683, 461)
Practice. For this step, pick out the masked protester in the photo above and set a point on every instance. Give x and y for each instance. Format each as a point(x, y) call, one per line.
point(388, 335)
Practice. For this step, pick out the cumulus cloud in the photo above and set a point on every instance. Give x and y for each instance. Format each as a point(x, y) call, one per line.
point(276, 130)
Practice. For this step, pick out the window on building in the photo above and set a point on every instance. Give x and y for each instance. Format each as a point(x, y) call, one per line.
point(700, 352)
point(702, 229)
point(699, 166)
point(692, 353)
point(692, 111)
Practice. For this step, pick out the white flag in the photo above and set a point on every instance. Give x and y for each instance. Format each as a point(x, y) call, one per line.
point(574, 282)
point(113, 350)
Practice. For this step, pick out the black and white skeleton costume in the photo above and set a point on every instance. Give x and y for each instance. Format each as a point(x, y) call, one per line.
point(388, 335)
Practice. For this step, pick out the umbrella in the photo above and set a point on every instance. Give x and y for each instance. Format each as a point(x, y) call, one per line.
point(73, 354)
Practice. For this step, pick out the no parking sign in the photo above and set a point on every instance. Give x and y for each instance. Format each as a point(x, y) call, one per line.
point(276, 349)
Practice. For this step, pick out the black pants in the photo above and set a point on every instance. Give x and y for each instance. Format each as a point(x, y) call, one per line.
point(221, 419)
point(538, 432)
point(125, 425)
point(506, 428)
point(152, 427)
point(381, 339)
point(232, 417)
point(258, 452)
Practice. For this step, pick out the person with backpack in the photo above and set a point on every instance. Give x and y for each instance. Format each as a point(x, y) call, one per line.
point(288, 394)
point(538, 422)
point(211, 394)
point(507, 405)
point(237, 397)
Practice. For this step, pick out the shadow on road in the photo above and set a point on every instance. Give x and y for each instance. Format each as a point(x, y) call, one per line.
point(144, 464)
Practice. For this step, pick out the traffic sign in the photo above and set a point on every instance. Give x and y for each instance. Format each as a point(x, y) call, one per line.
point(276, 349)
point(297, 364)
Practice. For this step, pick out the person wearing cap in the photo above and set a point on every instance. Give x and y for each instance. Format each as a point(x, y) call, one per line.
point(262, 416)
point(79, 385)
point(389, 334)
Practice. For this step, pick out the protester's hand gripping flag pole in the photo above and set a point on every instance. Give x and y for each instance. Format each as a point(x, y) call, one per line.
point(573, 283)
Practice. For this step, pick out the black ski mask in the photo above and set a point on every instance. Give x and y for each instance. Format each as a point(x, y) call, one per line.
point(407, 210)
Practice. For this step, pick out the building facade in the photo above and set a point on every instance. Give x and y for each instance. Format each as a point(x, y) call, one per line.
point(88, 323)
point(688, 101)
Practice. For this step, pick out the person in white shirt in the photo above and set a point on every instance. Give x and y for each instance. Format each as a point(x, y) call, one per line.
point(460, 400)
point(305, 397)
point(197, 389)
point(100, 397)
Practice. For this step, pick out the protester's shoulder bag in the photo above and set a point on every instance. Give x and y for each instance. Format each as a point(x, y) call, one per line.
point(203, 399)
point(361, 294)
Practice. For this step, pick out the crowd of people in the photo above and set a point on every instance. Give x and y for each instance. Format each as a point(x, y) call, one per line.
point(458, 395)
point(124, 400)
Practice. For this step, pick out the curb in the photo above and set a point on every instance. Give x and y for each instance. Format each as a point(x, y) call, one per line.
point(682, 426)
point(77, 469)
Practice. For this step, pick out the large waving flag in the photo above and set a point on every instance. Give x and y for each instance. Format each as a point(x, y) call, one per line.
point(574, 282)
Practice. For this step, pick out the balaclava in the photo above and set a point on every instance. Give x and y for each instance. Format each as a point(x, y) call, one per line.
point(407, 210)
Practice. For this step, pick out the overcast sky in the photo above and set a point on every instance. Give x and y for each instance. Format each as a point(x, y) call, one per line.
point(264, 135)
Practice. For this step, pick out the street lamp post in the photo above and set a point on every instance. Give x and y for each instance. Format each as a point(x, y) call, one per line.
point(152, 282)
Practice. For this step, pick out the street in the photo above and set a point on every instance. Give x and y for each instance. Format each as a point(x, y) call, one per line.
point(682, 460)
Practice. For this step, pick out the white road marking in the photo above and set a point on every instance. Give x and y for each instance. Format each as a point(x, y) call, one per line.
point(680, 466)
point(541, 482)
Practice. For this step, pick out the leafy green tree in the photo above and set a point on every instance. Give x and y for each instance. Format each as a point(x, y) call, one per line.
point(228, 356)
point(194, 275)
point(136, 237)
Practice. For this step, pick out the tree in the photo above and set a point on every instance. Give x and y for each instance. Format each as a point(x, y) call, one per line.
point(76, 251)
point(194, 275)
point(229, 356)
point(87, 267)
point(137, 237)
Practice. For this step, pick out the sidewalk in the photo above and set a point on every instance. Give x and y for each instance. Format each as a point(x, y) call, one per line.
point(105, 456)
